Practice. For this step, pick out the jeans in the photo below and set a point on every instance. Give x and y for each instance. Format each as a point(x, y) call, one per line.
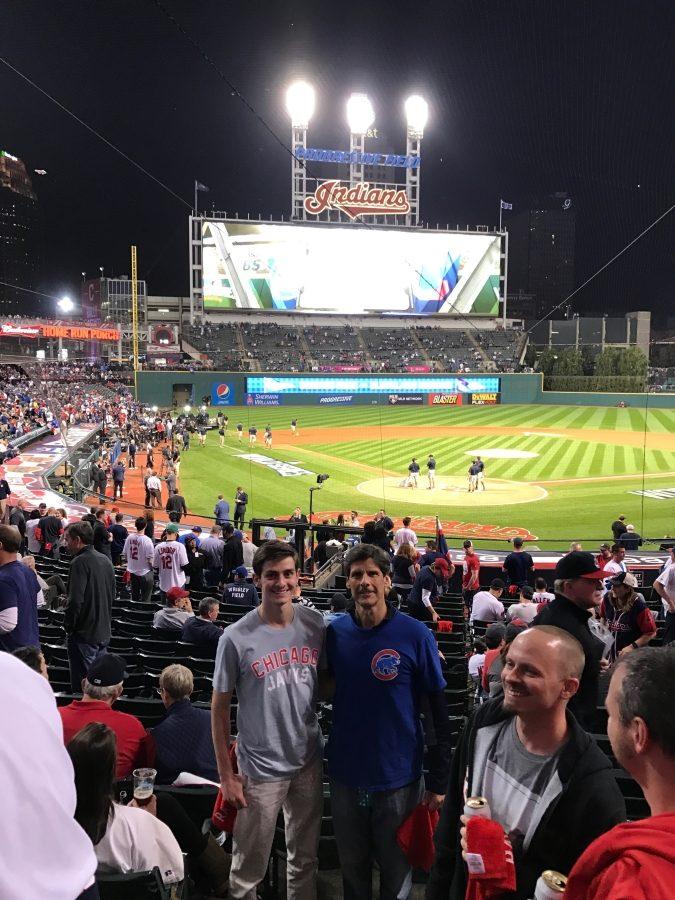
point(365, 826)
point(301, 798)
point(141, 587)
point(80, 657)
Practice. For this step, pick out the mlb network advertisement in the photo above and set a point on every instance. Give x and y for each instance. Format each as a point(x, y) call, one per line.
point(441, 391)
point(348, 270)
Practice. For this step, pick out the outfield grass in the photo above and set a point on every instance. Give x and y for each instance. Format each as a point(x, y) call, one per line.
point(356, 444)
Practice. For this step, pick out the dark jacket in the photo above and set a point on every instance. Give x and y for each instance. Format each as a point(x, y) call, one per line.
point(91, 591)
point(176, 503)
point(102, 544)
point(233, 556)
point(183, 743)
point(18, 520)
point(204, 634)
point(584, 801)
point(562, 613)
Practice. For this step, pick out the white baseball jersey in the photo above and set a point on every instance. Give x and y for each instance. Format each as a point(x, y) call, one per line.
point(170, 556)
point(139, 552)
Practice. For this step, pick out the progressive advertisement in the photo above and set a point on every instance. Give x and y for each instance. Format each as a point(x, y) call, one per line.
point(348, 269)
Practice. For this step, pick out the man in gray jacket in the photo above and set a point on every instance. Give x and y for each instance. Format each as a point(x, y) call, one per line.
point(91, 591)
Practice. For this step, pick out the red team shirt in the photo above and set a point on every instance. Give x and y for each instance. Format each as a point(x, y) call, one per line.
point(470, 566)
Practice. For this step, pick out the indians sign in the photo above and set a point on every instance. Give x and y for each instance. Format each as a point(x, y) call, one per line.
point(358, 200)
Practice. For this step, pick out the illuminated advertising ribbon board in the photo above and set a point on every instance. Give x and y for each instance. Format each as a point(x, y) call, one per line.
point(70, 332)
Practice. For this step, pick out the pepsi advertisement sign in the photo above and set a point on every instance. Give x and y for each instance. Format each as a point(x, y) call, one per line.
point(222, 394)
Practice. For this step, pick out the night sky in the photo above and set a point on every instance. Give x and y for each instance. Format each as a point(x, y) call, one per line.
point(526, 97)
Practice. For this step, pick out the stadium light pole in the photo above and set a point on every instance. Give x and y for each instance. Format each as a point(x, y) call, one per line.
point(65, 305)
point(300, 103)
point(417, 114)
point(360, 117)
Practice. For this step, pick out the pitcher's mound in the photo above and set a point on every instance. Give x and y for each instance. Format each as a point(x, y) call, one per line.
point(452, 491)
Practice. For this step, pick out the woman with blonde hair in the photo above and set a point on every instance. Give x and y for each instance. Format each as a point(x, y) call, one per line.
point(404, 570)
point(625, 612)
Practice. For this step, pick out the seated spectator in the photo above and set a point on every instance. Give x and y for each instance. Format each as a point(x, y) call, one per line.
point(44, 853)
point(125, 838)
point(477, 661)
point(493, 671)
point(53, 592)
point(34, 659)
point(627, 616)
point(487, 607)
point(201, 630)
point(241, 592)
point(525, 610)
point(637, 859)
point(339, 604)
point(177, 611)
point(182, 740)
point(494, 641)
point(103, 684)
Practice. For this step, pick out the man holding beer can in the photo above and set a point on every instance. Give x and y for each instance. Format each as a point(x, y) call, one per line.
point(541, 777)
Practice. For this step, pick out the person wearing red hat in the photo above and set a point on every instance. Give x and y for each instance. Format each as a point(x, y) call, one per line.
point(637, 859)
point(177, 612)
point(578, 591)
point(425, 589)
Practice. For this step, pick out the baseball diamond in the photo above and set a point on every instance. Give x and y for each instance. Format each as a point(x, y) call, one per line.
point(557, 472)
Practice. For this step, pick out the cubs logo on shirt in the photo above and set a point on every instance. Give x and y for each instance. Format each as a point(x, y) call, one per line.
point(384, 665)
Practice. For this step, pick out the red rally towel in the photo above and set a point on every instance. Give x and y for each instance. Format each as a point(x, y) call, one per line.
point(224, 814)
point(444, 625)
point(489, 859)
point(415, 836)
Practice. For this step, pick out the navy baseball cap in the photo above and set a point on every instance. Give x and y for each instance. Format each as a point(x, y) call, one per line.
point(241, 572)
point(107, 670)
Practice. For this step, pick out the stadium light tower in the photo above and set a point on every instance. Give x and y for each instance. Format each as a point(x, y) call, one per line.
point(300, 102)
point(360, 117)
point(416, 113)
point(65, 305)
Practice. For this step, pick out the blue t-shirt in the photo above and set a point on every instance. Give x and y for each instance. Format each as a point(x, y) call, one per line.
point(19, 588)
point(376, 740)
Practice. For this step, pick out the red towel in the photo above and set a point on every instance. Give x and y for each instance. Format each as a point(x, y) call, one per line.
point(224, 814)
point(444, 625)
point(489, 860)
point(415, 836)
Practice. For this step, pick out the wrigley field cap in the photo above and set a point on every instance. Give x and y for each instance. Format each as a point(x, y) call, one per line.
point(107, 670)
point(580, 564)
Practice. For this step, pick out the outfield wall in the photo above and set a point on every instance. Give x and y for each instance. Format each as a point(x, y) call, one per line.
point(315, 389)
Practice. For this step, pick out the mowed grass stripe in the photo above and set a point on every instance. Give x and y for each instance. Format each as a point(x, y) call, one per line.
point(575, 467)
point(665, 420)
point(619, 463)
point(550, 452)
point(660, 461)
point(598, 459)
point(546, 448)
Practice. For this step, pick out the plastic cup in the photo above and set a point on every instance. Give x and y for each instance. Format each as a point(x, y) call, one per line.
point(144, 785)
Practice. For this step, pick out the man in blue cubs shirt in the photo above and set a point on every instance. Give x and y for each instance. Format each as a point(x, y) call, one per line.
point(385, 670)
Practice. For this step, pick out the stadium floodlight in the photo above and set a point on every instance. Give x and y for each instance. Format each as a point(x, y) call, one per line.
point(65, 305)
point(187, 408)
point(360, 113)
point(202, 408)
point(416, 113)
point(154, 408)
point(300, 103)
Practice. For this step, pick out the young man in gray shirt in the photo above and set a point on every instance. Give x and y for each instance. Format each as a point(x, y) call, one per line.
point(271, 658)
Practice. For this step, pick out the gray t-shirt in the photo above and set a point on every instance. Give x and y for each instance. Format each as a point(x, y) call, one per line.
point(514, 781)
point(274, 672)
